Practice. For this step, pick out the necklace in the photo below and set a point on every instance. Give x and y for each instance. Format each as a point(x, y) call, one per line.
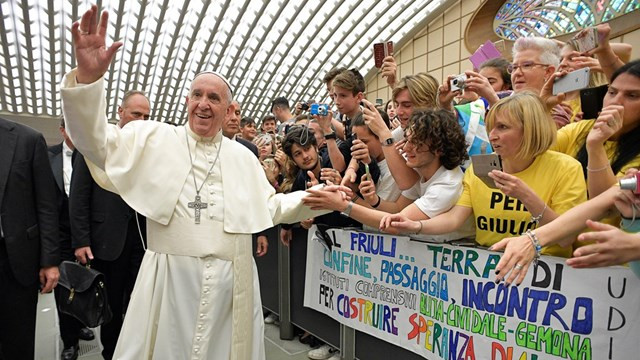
point(197, 204)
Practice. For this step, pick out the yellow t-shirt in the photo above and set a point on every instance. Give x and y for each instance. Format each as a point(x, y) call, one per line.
point(576, 107)
point(570, 140)
point(572, 137)
point(556, 178)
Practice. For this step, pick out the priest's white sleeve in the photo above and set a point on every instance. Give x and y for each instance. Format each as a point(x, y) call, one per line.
point(288, 208)
point(84, 109)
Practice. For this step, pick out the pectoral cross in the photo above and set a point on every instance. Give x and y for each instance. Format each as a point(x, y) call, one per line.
point(197, 205)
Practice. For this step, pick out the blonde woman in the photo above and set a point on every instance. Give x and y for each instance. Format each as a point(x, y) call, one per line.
point(535, 186)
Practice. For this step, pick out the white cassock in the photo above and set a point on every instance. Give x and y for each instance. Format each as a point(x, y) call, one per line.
point(197, 293)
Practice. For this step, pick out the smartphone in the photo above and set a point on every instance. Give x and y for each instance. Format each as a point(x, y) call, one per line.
point(270, 161)
point(266, 137)
point(585, 40)
point(592, 100)
point(379, 102)
point(483, 164)
point(366, 171)
point(575, 80)
point(381, 51)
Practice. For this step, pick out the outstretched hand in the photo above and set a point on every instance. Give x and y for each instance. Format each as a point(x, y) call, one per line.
point(609, 246)
point(332, 197)
point(92, 54)
point(399, 224)
point(518, 256)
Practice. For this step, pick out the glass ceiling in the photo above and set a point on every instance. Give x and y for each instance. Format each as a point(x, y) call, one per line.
point(265, 48)
point(550, 18)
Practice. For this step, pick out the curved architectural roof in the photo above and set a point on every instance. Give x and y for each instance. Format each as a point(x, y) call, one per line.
point(550, 18)
point(265, 48)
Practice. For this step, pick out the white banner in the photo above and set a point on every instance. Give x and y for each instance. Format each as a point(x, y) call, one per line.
point(440, 301)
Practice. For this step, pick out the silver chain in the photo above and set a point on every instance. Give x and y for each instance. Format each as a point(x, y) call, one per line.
point(193, 172)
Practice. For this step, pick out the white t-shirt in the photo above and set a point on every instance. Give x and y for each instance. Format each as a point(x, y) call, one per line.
point(438, 195)
point(386, 187)
point(397, 134)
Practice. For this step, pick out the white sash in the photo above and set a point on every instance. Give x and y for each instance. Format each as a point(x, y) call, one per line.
point(182, 237)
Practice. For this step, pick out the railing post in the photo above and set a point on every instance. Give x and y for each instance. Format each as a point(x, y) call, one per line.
point(347, 342)
point(284, 290)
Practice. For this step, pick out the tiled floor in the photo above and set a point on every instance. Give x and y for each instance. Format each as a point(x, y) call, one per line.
point(48, 344)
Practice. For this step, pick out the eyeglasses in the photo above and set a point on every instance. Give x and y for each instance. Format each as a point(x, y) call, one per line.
point(525, 66)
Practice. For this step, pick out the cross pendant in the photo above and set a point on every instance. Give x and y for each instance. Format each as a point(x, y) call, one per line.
point(197, 205)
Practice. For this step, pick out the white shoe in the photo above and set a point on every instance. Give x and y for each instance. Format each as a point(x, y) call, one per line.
point(270, 319)
point(322, 353)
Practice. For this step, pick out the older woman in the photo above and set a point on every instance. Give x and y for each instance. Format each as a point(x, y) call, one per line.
point(535, 60)
point(535, 186)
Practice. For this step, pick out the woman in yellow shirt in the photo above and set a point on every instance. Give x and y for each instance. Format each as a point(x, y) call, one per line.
point(608, 146)
point(535, 187)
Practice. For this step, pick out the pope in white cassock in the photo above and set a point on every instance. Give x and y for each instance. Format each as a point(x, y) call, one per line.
point(197, 295)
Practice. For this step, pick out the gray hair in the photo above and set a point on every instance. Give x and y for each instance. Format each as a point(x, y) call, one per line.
point(131, 93)
point(549, 50)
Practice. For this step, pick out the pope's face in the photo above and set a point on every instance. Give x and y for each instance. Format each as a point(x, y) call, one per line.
point(208, 104)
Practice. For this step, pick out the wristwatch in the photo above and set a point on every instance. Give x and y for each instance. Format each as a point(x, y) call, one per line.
point(330, 136)
point(388, 142)
point(346, 212)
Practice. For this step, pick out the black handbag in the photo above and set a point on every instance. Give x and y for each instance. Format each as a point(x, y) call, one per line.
point(82, 294)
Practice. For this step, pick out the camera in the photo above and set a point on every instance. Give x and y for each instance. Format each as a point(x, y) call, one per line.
point(319, 109)
point(304, 106)
point(631, 183)
point(458, 82)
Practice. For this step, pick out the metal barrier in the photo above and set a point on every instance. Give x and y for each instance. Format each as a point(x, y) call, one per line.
point(282, 274)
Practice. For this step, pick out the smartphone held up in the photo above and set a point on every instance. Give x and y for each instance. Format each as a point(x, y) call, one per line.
point(483, 164)
point(575, 80)
point(586, 40)
point(381, 51)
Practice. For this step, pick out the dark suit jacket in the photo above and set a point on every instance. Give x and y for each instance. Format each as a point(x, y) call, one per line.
point(56, 159)
point(99, 218)
point(251, 146)
point(27, 202)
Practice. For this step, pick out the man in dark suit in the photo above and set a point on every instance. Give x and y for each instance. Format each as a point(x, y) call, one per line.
point(231, 128)
point(61, 159)
point(29, 245)
point(107, 232)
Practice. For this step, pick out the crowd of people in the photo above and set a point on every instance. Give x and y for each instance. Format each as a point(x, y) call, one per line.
point(168, 212)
